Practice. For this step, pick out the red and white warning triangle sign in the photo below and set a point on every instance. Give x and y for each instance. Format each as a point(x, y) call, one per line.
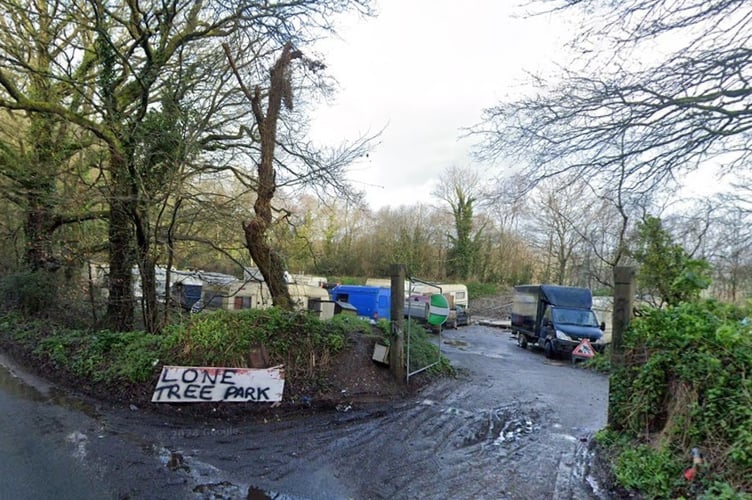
point(584, 349)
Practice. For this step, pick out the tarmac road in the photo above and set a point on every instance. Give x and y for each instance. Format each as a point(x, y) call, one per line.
point(511, 425)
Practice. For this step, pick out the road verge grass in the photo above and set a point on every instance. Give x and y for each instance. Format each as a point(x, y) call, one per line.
point(298, 340)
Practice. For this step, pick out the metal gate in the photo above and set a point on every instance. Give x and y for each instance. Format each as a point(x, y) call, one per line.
point(414, 370)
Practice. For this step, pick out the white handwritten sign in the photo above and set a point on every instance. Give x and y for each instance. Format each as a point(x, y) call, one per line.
point(186, 384)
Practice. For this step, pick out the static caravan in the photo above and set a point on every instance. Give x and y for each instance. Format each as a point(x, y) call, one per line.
point(235, 295)
point(456, 293)
point(385, 283)
point(307, 279)
point(186, 288)
point(302, 294)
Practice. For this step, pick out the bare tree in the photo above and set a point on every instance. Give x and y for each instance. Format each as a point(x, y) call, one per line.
point(666, 90)
point(266, 258)
point(724, 238)
point(554, 207)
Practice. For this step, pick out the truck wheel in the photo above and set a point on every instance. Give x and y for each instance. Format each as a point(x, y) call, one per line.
point(548, 349)
point(521, 340)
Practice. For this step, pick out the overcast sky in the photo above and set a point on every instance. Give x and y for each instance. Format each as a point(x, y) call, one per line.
point(422, 71)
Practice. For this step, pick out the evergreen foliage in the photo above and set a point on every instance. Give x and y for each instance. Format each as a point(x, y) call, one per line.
point(666, 271)
point(685, 383)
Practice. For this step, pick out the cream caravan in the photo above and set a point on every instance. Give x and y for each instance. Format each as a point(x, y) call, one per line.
point(456, 293)
point(385, 283)
point(236, 295)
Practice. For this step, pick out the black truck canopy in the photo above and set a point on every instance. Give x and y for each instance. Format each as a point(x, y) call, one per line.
point(565, 296)
point(561, 296)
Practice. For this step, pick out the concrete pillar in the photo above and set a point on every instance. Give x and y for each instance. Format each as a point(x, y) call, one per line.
point(397, 313)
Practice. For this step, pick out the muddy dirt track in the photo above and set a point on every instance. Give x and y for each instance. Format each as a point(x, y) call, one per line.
point(511, 425)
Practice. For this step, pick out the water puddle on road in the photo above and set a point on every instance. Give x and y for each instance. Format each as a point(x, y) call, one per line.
point(12, 384)
point(208, 480)
point(15, 381)
point(60, 398)
point(456, 343)
point(226, 489)
point(496, 426)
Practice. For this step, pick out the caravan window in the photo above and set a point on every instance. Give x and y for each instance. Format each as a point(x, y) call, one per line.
point(212, 301)
point(242, 302)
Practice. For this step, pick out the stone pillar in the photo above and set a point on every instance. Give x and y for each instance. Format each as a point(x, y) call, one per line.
point(397, 314)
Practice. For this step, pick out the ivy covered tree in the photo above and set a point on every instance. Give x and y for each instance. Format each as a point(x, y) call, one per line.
point(144, 87)
point(460, 190)
point(667, 273)
point(464, 249)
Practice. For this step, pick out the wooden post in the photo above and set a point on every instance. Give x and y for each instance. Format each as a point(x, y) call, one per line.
point(624, 292)
point(397, 313)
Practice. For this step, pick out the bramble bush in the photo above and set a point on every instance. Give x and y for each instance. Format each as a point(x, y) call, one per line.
point(686, 382)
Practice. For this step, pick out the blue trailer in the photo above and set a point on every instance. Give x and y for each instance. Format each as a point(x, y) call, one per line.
point(555, 318)
point(371, 302)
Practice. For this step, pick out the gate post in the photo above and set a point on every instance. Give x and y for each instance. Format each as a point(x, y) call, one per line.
point(624, 292)
point(397, 314)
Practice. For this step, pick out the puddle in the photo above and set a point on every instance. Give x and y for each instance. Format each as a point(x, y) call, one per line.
point(553, 363)
point(209, 481)
point(60, 398)
point(79, 441)
point(497, 426)
point(580, 474)
point(456, 343)
point(226, 489)
point(14, 380)
point(13, 384)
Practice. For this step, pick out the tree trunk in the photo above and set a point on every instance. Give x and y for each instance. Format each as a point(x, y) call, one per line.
point(38, 227)
point(40, 191)
point(268, 261)
point(120, 300)
point(149, 303)
point(146, 263)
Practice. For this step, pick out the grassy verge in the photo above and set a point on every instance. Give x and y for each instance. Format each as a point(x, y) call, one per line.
point(133, 360)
